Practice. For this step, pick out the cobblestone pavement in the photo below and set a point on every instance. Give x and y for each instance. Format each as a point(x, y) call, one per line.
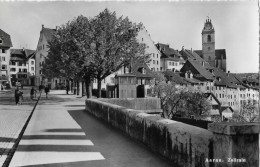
point(12, 120)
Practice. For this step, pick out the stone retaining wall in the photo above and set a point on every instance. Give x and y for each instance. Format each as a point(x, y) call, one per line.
point(182, 144)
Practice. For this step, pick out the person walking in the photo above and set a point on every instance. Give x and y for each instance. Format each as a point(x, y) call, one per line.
point(47, 89)
point(67, 89)
point(33, 91)
point(16, 95)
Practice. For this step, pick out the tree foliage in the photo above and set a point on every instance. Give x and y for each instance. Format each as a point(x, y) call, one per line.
point(94, 47)
point(180, 101)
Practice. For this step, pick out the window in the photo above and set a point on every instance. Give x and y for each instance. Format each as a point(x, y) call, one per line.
point(32, 68)
point(209, 38)
point(3, 51)
point(157, 63)
point(20, 63)
point(13, 63)
point(157, 69)
point(24, 70)
point(157, 55)
point(4, 67)
point(3, 58)
point(1, 41)
point(153, 61)
point(153, 54)
point(161, 68)
point(40, 71)
point(142, 39)
point(20, 70)
point(216, 95)
point(32, 62)
point(13, 69)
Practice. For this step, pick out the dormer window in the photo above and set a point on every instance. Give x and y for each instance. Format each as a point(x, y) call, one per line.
point(143, 71)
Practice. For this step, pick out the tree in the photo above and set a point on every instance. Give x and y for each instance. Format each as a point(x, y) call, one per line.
point(247, 110)
point(113, 44)
point(94, 48)
point(181, 101)
point(69, 52)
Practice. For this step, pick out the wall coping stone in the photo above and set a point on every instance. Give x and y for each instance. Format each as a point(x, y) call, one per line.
point(234, 128)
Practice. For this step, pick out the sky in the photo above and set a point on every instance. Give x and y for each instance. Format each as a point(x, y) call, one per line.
point(177, 23)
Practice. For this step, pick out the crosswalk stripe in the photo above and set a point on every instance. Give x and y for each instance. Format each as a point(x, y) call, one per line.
point(56, 142)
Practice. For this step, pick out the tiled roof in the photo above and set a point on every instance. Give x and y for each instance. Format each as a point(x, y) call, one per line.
point(21, 54)
point(6, 39)
point(168, 52)
point(223, 108)
point(218, 53)
point(188, 54)
point(137, 70)
point(201, 70)
point(175, 77)
point(48, 33)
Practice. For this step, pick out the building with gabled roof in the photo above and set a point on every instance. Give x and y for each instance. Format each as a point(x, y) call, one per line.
point(5, 45)
point(170, 59)
point(46, 35)
point(22, 66)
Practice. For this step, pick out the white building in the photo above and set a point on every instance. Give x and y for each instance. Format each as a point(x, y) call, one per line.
point(5, 45)
point(22, 66)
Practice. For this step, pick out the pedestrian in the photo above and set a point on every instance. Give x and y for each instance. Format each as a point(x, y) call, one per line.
point(47, 89)
point(33, 91)
point(20, 97)
point(16, 95)
point(67, 89)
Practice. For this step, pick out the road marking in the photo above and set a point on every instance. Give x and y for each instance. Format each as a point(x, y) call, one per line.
point(56, 142)
point(58, 133)
point(38, 158)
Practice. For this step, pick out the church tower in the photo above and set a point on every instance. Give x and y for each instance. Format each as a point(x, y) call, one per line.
point(208, 43)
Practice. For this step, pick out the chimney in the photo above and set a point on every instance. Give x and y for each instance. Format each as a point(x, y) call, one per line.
point(42, 26)
point(186, 75)
point(203, 63)
point(191, 49)
point(228, 73)
point(56, 28)
point(191, 75)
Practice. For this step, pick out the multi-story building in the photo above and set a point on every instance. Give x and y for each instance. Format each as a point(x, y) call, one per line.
point(22, 66)
point(170, 59)
point(46, 35)
point(155, 55)
point(5, 45)
point(153, 64)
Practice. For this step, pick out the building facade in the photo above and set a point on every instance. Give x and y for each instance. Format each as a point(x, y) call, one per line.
point(5, 45)
point(22, 66)
point(46, 35)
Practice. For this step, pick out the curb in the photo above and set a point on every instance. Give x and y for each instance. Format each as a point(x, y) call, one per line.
point(10, 154)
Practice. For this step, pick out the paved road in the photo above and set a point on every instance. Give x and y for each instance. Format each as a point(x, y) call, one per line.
point(12, 120)
point(62, 133)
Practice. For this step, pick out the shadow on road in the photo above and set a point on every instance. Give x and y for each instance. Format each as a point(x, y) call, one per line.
point(118, 149)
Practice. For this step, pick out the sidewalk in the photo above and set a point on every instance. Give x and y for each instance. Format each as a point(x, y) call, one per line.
point(12, 120)
point(62, 133)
